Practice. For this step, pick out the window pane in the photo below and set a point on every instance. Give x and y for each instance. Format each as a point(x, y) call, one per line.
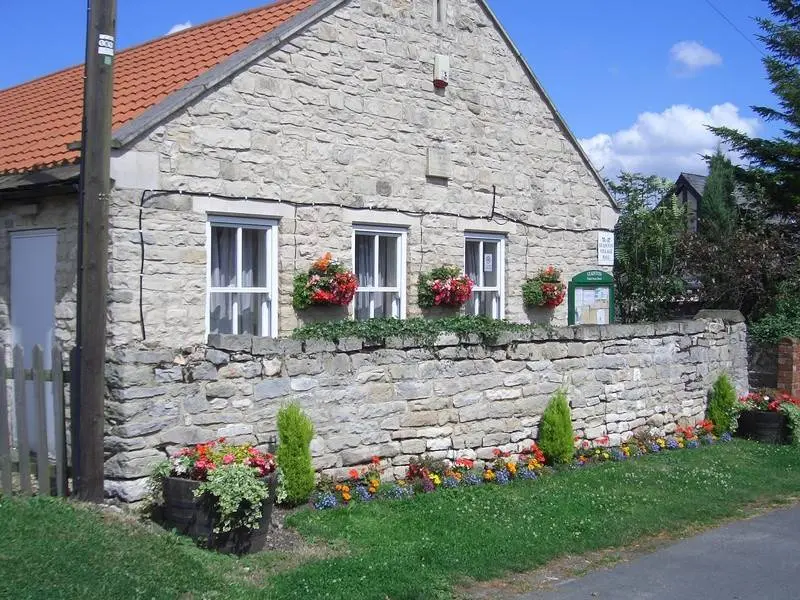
point(472, 250)
point(387, 261)
point(490, 264)
point(365, 260)
point(254, 258)
point(384, 304)
point(362, 306)
point(253, 314)
point(220, 309)
point(223, 256)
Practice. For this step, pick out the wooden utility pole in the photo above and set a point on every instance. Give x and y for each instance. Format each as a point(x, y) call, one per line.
point(95, 187)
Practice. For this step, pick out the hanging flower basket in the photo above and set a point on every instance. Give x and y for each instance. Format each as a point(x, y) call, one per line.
point(327, 283)
point(444, 286)
point(545, 290)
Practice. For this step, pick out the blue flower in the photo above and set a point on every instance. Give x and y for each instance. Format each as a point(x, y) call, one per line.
point(450, 482)
point(363, 493)
point(472, 479)
point(501, 476)
point(526, 473)
point(654, 447)
point(672, 443)
point(726, 437)
point(692, 444)
point(324, 500)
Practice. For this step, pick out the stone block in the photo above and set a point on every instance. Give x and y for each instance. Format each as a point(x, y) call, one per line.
point(275, 388)
point(220, 389)
point(231, 343)
point(132, 465)
point(235, 429)
point(203, 371)
point(134, 490)
point(270, 367)
point(217, 357)
point(350, 344)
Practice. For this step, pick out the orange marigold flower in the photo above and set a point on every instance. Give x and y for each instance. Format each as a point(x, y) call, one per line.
point(345, 488)
point(346, 497)
point(371, 490)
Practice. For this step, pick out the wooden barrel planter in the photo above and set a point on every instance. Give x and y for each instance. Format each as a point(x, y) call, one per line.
point(196, 518)
point(764, 426)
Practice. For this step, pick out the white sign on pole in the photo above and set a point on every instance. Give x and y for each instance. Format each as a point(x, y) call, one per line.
point(605, 248)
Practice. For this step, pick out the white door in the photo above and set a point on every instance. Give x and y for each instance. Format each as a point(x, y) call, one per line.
point(33, 300)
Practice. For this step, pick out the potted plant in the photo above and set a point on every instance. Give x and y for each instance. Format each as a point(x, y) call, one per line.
point(219, 493)
point(327, 283)
point(545, 290)
point(444, 286)
point(769, 416)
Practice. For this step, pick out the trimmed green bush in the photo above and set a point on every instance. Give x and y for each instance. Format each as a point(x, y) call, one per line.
point(722, 405)
point(556, 437)
point(295, 431)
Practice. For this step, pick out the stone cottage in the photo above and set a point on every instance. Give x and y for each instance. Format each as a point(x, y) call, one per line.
point(399, 135)
point(247, 147)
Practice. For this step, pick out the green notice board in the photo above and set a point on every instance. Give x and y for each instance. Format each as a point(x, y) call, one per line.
point(591, 298)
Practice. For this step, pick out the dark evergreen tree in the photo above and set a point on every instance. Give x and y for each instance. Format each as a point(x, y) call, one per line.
point(774, 164)
point(718, 213)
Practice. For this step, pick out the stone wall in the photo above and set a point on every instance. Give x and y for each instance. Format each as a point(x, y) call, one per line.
point(400, 399)
point(346, 113)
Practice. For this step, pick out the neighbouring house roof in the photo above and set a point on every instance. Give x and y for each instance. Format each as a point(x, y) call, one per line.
point(42, 117)
point(41, 124)
point(696, 182)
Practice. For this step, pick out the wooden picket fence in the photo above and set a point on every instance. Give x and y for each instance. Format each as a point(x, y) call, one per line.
point(16, 454)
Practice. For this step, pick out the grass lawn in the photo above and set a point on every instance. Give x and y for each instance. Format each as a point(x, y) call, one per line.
point(407, 549)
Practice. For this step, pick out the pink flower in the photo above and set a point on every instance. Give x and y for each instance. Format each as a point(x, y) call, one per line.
point(228, 459)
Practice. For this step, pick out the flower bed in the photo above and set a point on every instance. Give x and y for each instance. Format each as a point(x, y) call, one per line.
point(427, 474)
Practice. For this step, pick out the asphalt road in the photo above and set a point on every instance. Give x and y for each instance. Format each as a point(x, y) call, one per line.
point(756, 559)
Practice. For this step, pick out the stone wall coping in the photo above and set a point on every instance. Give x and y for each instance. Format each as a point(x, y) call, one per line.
point(728, 316)
point(263, 346)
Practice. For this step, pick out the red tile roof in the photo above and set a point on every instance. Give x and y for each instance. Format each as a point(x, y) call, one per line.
point(44, 115)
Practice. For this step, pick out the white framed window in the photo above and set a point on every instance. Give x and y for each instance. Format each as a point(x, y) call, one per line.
point(485, 263)
point(379, 257)
point(242, 282)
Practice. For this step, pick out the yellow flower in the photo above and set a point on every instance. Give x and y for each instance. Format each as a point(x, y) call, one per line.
point(375, 483)
point(606, 455)
point(436, 479)
point(488, 474)
point(512, 467)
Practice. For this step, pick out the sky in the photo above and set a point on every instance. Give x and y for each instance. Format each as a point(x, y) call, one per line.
point(637, 81)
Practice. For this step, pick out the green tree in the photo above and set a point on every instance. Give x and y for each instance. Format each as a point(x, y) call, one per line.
point(775, 163)
point(295, 432)
point(648, 234)
point(722, 405)
point(555, 430)
point(718, 214)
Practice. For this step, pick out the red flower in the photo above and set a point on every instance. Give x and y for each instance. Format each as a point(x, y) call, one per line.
point(353, 474)
point(497, 452)
point(376, 460)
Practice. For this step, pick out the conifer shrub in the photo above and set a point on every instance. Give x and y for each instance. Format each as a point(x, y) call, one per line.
point(295, 431)
point(555, 430)
point(722, 405)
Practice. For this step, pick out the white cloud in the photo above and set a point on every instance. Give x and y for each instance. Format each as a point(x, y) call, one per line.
point(179, 27)
point(690, 57)
point(665, 143)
